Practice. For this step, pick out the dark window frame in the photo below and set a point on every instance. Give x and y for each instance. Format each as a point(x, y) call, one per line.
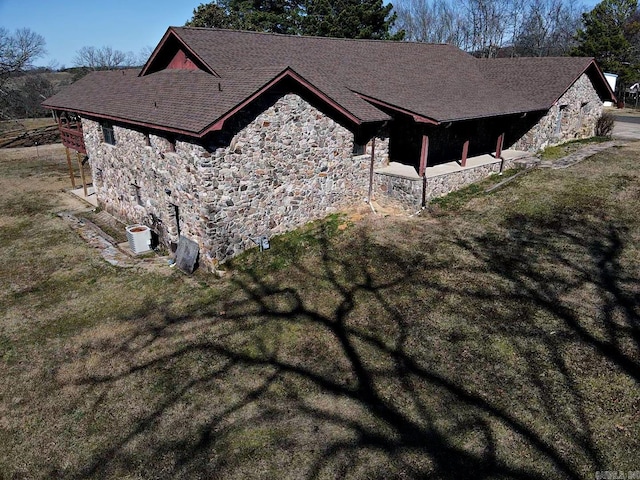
point(108, 135)
point(359, 149)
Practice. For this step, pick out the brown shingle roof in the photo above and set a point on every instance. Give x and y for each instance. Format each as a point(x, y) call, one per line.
point(439, 82)
point(537, 82)
point(176, 99)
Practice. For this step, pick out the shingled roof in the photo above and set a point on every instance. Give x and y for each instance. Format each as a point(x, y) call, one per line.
point(540, 81)
point(363, 79)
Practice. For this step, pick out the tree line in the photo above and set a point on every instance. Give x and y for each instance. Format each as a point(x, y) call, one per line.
point(610, 32)
point(493, 28)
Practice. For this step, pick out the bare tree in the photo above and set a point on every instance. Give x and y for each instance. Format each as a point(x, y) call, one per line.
point(488, 24)
point(549, 29)
point(103, 58)
point(487, 28)
point(433, 21)
point(144, 55)
point(18, 50)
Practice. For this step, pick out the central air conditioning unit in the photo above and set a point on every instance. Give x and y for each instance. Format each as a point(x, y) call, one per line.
point(139, 237)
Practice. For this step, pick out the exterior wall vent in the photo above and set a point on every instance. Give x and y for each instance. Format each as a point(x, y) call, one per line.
point(139, 237)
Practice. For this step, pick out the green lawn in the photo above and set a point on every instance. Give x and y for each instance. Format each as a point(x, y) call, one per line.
point(498, 339)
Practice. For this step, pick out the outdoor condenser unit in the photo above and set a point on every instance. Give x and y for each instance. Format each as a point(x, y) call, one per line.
point(139, 237)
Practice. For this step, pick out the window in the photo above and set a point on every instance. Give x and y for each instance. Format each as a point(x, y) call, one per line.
point(585, 108)
point(359, 149)
point(147, 140)
point(107, 133)
point(561, 115)
point(136, 194)
point(172, 145)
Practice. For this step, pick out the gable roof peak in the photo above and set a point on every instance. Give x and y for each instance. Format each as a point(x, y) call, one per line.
point(170, 43)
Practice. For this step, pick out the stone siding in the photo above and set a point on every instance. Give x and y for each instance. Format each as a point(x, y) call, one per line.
point(292, 164)
point(289, 165)
point(142, 183)
point(441, 185)
point(406, 191)
point(573, 116)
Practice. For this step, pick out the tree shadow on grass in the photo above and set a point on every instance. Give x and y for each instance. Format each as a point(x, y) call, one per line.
point(462, 357)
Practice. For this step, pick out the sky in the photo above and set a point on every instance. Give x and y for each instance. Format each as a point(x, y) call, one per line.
point(129, 26)
point(68, 25)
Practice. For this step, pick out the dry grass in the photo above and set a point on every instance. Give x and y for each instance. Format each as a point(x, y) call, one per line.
point(13, 127)
point(497, 341)
point(559, 151)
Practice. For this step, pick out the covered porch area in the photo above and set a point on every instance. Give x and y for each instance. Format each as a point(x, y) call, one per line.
point(429, 159)
point(404, 183)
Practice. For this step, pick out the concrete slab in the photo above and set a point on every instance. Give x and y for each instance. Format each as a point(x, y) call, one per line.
point(396, 169)
point(91, 195)
point(514, 154)
point(473, 162)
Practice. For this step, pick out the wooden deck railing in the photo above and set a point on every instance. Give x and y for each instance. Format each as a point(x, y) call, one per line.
point(72, 138)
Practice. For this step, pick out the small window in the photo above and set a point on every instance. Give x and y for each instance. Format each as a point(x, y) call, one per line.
point(107, 133)
point(172, 144)
point(147, 140)
point(561, 115)
point(136, 194)
point(359, 149)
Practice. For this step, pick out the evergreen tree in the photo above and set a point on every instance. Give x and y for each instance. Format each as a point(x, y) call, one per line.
point(213, 15)
point(350, 19)
point(276, 16)
point(342, 18)
point(608, 33)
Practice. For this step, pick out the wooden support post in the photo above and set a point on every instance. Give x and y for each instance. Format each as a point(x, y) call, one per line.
point(373, 159)
point(499, 146)
point(499, 151)
point(465, 152)
point(71, 175)
point(80, 166)
point(424, 154)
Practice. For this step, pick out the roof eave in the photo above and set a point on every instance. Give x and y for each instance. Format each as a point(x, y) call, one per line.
point(288, 72)
point(416, 116)
point(128, 121)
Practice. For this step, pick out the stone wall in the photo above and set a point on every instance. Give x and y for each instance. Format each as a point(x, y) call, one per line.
point(287, 166)
point(408, 191)
point(573, 116)
point(441, 185)
point(290, 165)
point(142, 181)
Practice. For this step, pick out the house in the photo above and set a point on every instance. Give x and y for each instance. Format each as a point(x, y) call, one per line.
point(612, 78)
point(224, 136)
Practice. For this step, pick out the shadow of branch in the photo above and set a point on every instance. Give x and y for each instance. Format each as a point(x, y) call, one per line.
point(371, 361)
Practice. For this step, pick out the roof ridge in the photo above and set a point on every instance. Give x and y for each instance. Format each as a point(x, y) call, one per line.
point(274, 34)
